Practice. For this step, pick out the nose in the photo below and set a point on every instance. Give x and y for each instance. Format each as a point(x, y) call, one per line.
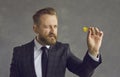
point(52, 29)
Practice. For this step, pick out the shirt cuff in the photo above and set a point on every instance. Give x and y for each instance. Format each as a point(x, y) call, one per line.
point(93, 57)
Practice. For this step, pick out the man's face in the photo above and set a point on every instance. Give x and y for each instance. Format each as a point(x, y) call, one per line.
point(47, 30)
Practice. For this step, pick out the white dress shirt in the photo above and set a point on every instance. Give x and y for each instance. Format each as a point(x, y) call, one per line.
point(37, 58)
point(38, 54)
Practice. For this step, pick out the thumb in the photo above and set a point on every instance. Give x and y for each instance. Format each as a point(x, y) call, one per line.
point(89, 32)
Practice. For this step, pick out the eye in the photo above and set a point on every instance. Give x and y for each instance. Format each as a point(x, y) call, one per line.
point(55, 26)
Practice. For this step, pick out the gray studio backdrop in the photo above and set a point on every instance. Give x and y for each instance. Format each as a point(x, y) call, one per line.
point(16, 29)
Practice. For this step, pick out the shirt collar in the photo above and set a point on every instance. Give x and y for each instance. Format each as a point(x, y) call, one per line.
point(38, 45)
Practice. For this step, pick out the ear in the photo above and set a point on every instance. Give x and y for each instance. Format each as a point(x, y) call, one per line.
point(35, 29)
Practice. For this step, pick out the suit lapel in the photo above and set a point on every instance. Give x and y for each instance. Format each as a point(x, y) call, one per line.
point(52, 53)
point(30, 48)
point(51, 61)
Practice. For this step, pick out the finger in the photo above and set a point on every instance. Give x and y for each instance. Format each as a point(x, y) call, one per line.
point(89, 31)
point(101, 34)
point(96, 31)
point(92, 31)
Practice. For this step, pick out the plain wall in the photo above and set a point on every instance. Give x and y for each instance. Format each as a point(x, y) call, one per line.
point(16, 29)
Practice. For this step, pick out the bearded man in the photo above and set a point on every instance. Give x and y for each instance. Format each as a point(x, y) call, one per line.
point(44, 56)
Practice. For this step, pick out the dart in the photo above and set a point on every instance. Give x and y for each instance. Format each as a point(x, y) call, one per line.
point(85, 29)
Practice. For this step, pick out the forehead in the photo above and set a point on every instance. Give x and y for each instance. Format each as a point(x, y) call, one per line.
point(46, 18)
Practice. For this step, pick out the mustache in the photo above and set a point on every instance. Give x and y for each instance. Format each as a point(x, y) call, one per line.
point(52, 35)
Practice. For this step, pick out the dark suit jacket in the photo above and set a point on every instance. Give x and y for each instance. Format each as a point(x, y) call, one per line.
point(59, 58)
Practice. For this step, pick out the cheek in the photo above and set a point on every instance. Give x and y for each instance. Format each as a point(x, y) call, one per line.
point(56, 31)
point(45, 32)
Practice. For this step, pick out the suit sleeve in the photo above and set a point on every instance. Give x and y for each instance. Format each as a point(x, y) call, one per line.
point(81, 68)
point(14, 70)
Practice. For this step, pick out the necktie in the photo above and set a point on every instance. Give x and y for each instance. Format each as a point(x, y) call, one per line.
point(44, 61)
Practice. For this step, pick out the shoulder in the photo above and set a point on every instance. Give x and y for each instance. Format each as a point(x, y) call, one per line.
point(31, 43)
point(61, 45)
point(19, 49)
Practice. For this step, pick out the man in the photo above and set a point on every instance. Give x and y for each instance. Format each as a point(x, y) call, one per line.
point(28, 59)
